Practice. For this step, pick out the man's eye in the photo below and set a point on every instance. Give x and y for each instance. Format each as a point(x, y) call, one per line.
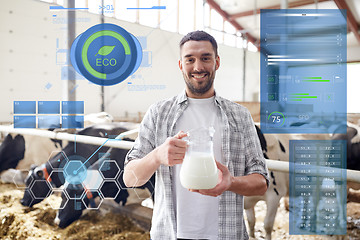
point(189, 60)
point(206, 59)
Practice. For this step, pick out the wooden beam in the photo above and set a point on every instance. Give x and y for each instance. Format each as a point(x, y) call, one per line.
point(351, 21)
point(291, 5)
point(237, 26)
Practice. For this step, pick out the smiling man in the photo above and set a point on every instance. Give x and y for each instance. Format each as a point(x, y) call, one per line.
point(181, 213)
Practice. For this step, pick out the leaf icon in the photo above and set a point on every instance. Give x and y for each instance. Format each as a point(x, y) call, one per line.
point(105, 50)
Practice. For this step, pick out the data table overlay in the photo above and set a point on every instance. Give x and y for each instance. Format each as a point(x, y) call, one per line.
point(303, 70)
point(317, 187)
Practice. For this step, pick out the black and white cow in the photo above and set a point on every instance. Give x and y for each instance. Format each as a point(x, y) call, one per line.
point(12, 150)
point(352, 137)
point(276, 146)
point(41, 179)
point(73, 208)
point(278, 187)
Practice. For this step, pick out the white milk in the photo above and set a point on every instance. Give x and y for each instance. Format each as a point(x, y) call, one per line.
point(199, 171)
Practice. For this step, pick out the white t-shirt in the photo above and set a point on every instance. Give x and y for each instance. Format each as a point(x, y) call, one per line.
point(196, 214)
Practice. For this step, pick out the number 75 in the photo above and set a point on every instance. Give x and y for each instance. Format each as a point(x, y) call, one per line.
point(276, 119)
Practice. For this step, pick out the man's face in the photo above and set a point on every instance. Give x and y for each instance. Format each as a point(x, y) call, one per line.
point(198, 65)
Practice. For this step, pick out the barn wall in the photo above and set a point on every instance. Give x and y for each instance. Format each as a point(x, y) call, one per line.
point(32, 42)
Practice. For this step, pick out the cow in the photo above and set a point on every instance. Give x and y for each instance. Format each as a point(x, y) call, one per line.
point(33, 156)
point(352, 138)
point(21, 151)
point(282, 147)
point(41, 179)
point(12, 150)
point(37, 150)
point(278, 186)
point(73, 207)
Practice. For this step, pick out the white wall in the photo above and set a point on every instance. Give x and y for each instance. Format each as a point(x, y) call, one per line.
point(28, 63)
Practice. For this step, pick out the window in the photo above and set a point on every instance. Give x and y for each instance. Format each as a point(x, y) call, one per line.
point(168, 16)
point(149, 17)
point(230, 34)
point(216, 20)
point(199, 14)
point(186, 16)
point(122, 13)
point(180, 16)
point(353, 86)
point(93, 6)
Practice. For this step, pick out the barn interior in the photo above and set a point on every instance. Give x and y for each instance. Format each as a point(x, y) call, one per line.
point(38, 67)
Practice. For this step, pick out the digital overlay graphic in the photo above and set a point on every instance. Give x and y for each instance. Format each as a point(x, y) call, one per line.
point(49, 114)
point(106, 54)
point(303, 70)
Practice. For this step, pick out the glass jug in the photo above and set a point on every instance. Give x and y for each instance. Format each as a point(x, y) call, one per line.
point(199, 170)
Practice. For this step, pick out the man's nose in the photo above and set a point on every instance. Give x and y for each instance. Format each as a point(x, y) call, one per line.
point(198, 66)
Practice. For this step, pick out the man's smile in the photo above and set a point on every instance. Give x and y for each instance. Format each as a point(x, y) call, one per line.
point(199, 76)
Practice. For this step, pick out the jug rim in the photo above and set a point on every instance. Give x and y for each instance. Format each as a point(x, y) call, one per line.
point(210, 129)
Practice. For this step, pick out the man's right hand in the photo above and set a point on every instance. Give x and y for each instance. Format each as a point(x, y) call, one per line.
point(138, 171)
point(172, 151)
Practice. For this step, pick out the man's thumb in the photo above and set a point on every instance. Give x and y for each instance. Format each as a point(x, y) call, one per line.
point(180, 135)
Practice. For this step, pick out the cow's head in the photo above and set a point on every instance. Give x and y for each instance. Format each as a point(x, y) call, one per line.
point(71, 208)
point(37, 186)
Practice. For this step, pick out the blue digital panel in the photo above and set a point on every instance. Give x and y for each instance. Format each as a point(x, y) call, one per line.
point(72, 121)
point(73, 107)
point(317, 187)
point(48, 121)
point(303, 70)
point(48, 107)
point(24, 107)
point(24, 121)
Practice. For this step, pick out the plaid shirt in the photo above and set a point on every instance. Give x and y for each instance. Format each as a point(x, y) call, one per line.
point(241, 151)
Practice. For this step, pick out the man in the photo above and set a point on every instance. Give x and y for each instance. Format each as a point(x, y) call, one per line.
point(215, 213)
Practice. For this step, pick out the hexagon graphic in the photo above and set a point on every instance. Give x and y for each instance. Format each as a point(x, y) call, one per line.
point(58, 174)
point(97, 203)
point(109, 169)
point(19, 176)
point(57, 159)
point(74, 191)
point(58, 205)
point(140, 192)
point(78, 204)
point(120, 181)
point(29, 180)
point(109, 189)
point(40, 189)
point(75, 172)
point(31, 195)
point(93, 180)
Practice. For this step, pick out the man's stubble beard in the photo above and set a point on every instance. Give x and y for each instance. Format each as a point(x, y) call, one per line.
point(202, 90)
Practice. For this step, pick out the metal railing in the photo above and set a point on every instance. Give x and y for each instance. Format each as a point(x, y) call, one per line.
point(274, 165)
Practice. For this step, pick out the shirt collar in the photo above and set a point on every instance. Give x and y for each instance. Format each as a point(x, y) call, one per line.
point(183, 98)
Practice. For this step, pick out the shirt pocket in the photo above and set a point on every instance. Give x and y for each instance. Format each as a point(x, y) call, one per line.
point(236, 143)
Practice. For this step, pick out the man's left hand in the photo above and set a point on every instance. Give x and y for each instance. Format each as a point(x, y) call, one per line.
point(224, 182)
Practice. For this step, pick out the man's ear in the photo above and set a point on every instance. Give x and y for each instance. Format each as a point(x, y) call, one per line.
point(180, 64)
point(217, 59)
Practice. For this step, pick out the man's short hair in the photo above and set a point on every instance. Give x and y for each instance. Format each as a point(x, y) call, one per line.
point(199, 36)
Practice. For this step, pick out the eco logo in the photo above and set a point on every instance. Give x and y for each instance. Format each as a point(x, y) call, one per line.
point(106, 54)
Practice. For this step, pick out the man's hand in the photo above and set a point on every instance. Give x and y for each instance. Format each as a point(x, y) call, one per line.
point(250, 185)
point(172, 151)
point(224, 182)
